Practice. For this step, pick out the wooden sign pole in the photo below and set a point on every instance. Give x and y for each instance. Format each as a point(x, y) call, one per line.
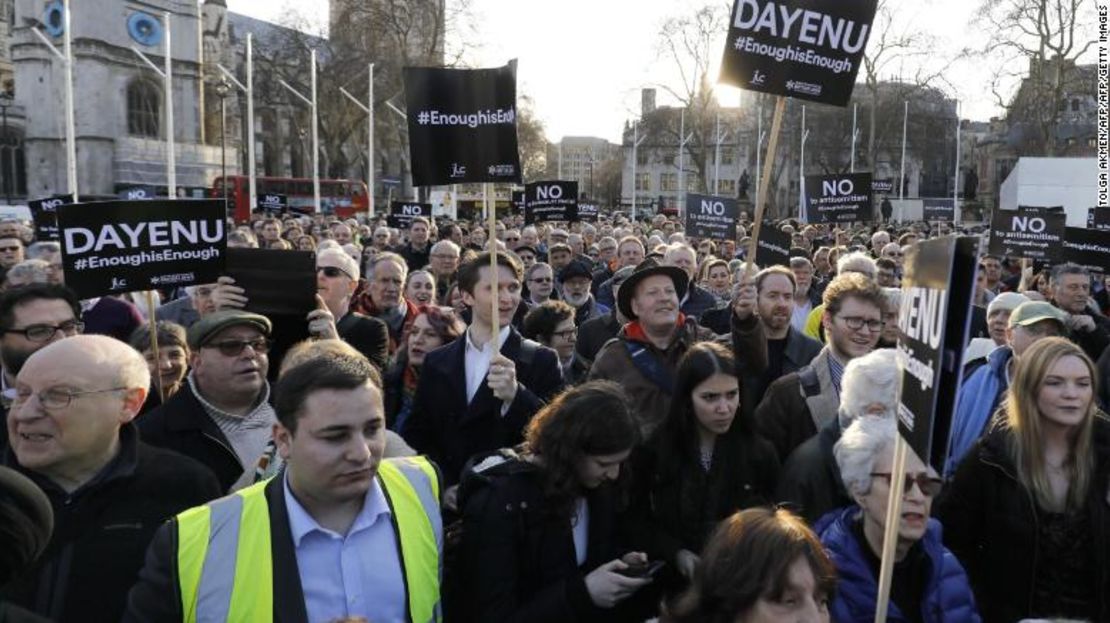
point(893, 522)
point(491, 240)
point(765, 181)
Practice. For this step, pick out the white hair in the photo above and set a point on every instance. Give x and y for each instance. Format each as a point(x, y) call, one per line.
point(444, 245)
point(858, 449)
point(873, 378)
point(893, 297)
point(328, 244)
point(342, 258)
point(856, 263)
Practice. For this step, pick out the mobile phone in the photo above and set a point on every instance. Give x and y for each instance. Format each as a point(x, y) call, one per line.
point(649, 570)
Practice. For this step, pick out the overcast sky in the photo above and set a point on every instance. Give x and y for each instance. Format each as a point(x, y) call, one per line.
point(584, 61)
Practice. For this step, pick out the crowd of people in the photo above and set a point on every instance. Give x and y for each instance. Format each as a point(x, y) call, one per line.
point(606, 421)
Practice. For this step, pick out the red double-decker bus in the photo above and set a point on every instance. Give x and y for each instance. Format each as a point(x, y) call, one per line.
point(342, 198)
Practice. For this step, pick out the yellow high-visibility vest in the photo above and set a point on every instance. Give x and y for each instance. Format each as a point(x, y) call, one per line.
point(224, 567)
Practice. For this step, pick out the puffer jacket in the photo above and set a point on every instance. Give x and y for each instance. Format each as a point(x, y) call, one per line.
point(947, 596)
point(978, 399)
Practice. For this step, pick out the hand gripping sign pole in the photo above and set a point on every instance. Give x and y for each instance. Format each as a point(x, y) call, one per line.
point(311, 103)
point(367, 108)
point(71, 133)
point(248, 90)
point(167, 88)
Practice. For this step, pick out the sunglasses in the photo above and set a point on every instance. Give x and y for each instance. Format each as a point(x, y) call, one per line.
point(332, 271)
point(234, 348)
point(929, 485)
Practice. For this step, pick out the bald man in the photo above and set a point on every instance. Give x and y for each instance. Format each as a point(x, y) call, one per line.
point(70, 432)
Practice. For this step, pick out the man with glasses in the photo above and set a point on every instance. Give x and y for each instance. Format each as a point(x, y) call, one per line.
point(31, 318)
point(540, 281)
point(630, 252)
point(222, 416)
point(11, 252)
point(336, 279)
point(575, 280)
point(512, 239)
point(71, 433)
point(527, 256)
point(605, 263)
point(444, 263)
point(798, 404)
point(552, 324)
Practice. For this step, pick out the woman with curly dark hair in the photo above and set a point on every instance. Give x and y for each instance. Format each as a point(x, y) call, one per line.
point(432, 327)
point(539, 541)
point(703, 464)
point(759, 566)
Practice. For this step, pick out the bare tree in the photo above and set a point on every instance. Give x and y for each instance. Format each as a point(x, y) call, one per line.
point(1047, 39)
point(531, 140)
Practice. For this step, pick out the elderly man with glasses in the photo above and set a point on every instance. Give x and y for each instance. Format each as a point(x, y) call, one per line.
point(336, 279)
point(222, 416)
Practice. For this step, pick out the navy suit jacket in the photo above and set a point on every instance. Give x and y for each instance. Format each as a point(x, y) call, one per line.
point(447, 429)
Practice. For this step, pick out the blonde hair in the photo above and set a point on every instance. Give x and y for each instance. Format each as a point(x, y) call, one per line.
point(1024, 419)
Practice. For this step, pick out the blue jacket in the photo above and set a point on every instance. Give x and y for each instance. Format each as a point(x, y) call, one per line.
point(978, 399)
point(947, 596)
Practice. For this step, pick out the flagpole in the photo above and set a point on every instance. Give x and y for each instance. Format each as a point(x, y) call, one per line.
point(902, 171)
point(315, 141)
point(200, 64)
point(635, 147)
point(71, 124)
point(802, 167)
point(370, 144)
point(855, 110)
point(717, 156)
point(171, 156)
point(956, 181)
point(251, 174)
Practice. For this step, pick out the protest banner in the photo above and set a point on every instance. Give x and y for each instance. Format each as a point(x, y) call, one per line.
point(517, 199)
point(401, 213)
point(711, 217)
point(1033, 233)
point(1089, 248)
point(44, 214)
point(138, 193)
point(550, 201)
point(938, 210)
point(277, 282)
point(588, 212)
point(462, 125)
point(773, 248)
point(883, 186)
point(806, 49)
point(273, 202)
point(838, 198)
point(1098, 218)
point(112, 247)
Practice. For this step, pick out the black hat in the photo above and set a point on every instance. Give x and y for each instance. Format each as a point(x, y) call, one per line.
point(649, 268)
point(576, 268)
point(525, 247)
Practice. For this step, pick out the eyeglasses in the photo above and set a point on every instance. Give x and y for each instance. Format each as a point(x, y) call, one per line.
point(512, 239)
point(234, 348)
point(44, 332)
point(929, 485)
point(541, 280)
point(856, 323)
point(445, 256)
point(15, 248)
point(566, 335)
point(54, 398)
point(333, 272)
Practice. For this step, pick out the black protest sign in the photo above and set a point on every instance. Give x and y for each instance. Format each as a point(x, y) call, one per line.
point(883, 186)
point(711, 217)
point(273, 202)
point(588, 212)
point(1089, 248)
point(772, 248)
point(401, 213)
point(933, 323)
point(462, 125)
point(138, 193)
point(806, 49)
point(1034, 233)
point(277, 282)
point(550, 201)
point(111, 247)
point(44, 214)
point(1098, 219)
point(938, 210)
point(838, 198)
point(518, 201)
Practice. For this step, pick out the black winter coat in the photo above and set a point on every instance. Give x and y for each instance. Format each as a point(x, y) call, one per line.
point(102, 530)
point(810, 477)
point(517, 561)
point(990, 524)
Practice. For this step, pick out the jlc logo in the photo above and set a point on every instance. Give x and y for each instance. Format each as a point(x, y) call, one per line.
point(458, 170)
point(118, 284)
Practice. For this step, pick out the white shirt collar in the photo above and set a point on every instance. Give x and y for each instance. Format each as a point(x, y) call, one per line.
point(501, 337)
point(301, 523)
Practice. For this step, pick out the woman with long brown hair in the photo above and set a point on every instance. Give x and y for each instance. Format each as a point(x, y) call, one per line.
point(1028, 511)
point(539, 540)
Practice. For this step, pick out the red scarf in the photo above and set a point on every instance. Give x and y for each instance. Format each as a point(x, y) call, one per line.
point(635, 331)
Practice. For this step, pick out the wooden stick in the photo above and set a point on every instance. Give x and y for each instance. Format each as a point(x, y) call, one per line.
point(893, 522)
point(765, 181)
point(491, 239)
point(154, 346)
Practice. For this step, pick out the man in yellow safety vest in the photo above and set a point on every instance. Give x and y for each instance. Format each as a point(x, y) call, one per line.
point(340, 532)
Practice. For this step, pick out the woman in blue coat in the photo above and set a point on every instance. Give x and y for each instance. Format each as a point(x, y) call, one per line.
point(929, 585)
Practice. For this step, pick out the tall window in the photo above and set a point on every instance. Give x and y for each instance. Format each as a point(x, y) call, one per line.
point(668, 182)
point(144, 109)
point(643, 181)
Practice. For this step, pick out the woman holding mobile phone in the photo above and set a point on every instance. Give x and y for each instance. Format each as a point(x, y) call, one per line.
point(539, 536)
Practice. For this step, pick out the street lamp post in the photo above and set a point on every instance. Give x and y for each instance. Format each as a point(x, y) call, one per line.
point(222, 89)
point(7, 145)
